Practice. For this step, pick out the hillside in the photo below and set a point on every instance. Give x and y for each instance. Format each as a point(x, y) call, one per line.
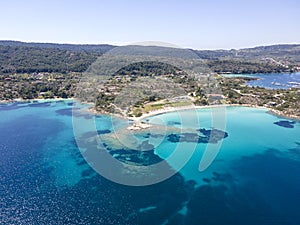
point(100, 48)
point(280, 52)
point(22, 57)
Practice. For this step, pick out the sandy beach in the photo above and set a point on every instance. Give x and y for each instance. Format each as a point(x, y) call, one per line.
point(141, 125)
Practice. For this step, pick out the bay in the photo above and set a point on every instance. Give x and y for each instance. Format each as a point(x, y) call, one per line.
point(44, 178)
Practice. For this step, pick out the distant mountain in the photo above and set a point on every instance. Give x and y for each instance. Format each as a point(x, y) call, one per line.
point(281, 52)
point(101, 48)
point(23, 57)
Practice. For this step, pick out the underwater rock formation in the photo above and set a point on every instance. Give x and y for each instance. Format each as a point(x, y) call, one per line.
point(285, 123)
point(204, 136)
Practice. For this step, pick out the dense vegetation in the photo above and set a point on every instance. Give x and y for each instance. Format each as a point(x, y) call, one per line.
point(20, 57)
point(279, 52)
point(247, 67)
point(38, 85)
point(265, 59)
point(100, 49)
point(147, 68)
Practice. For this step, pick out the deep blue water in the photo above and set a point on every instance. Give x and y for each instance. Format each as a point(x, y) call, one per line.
point(272, 80)
point(44, 178)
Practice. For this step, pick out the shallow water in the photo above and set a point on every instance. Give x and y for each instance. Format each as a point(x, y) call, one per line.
point(45, 179)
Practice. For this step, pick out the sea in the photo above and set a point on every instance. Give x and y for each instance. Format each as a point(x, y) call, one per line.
point(272, 80)
point(251, 175)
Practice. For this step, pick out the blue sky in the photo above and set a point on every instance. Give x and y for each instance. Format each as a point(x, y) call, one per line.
point(207, 24)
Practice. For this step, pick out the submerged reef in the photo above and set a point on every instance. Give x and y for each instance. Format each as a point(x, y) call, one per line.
point(202, 136)
point(136, 157)
point(285, 123)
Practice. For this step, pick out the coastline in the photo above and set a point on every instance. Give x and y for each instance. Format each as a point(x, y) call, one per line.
point(163, 111)
point(283, 115)
point(138, 123)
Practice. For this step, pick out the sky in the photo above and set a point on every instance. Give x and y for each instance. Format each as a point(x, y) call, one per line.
point(197, 24)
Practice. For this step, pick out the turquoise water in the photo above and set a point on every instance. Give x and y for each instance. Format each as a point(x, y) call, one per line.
point(251, 131)
point(254, 178)
point(272, 80)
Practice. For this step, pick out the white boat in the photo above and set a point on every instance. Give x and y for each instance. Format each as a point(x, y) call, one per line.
point(294, 83)
point(277, 84)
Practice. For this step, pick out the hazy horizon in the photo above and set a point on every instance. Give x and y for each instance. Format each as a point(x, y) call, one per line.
point(124, 44)
point(193, 24)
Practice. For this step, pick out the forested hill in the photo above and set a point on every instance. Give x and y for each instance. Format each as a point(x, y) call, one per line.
point(280, 52)
point(101, 48)
point(22, 57)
